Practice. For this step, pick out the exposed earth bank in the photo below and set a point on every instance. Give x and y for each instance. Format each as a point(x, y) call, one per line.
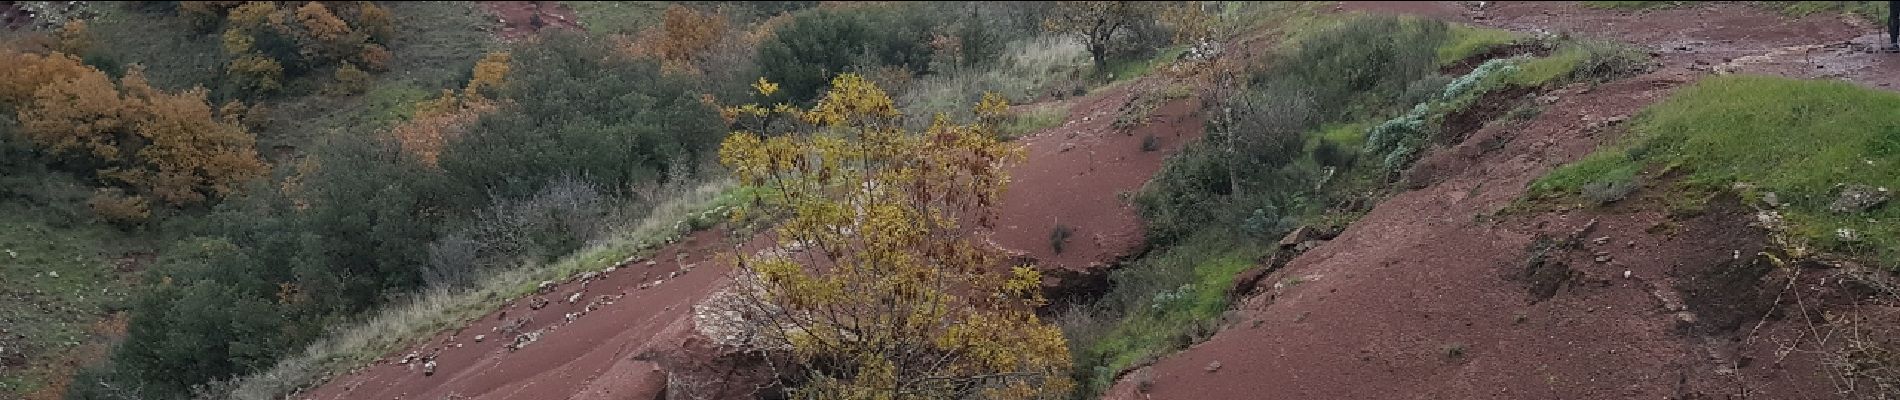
point(1441, 292)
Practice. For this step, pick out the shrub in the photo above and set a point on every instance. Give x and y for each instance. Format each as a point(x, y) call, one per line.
point(566, 214)
point(820, 43)
point(1059, 237)
point(116, 207)
point(173, 147)
point(1357, 66)
point(582, 112)
point(348, 81)
point(1026, 71)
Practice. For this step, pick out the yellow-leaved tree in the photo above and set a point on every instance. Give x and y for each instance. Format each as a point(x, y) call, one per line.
point(877, 290)
point(171, 146)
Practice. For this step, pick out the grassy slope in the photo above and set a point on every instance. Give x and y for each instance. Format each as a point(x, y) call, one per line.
point(616, 16)
point(1174, 294)
point(60, 317)
point(59, 282)
point(1797, 139)
point(436, 45)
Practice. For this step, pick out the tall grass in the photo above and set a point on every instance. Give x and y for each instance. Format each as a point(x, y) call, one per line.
point(1799, 139)
point(1028, 70)
point(1467, 41)
point(438, 309)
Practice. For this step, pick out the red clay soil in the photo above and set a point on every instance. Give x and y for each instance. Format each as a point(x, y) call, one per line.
point(517, 18)
point(590, 356)
point(1073, 173)
point(1083, 174)
point(1435, 295)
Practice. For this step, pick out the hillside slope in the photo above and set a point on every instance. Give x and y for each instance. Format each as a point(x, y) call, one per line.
point(1437, 294)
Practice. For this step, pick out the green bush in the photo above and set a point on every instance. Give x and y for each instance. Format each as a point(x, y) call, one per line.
point(1357, 67)
point(803, 55)
point(579, 111)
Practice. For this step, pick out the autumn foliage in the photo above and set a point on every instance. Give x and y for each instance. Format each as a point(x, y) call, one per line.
point(439, 120)
point(268, 41)
point(681, 40)
point(878, 292)
point(172, 147)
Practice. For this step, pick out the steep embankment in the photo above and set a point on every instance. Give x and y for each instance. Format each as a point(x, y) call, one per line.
point(612, 335)
point(1075, 175)
point(1436, 294)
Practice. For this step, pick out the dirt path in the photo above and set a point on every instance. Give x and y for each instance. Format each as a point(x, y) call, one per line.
point(636, 307)
point(1432, 295)
point(601, 345)
point(1081, 175)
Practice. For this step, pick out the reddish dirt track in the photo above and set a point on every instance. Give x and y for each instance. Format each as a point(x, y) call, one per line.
point(590, 357)
point(1425, 296)
point(517, 17)
point(1075, 175)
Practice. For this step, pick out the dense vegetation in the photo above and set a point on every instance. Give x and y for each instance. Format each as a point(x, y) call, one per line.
point(1310, 137)
point(289, 168)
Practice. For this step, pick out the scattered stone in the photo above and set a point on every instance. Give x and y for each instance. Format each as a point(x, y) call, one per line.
point(478, 338)
point(651, 263)
point(546, 286)
point(428, 368)
point(1066, 146)
point(1626, 274)
point(1771, 199)
point(1847, 234)
point(1213, 366)
point(571, 298)
point(537, 303)
point(52, 274)
point(1601, 240)
point(589, 276)
point(1860, 198)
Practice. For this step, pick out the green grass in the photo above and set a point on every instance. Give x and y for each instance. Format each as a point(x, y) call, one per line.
point(175, 55)
point(1541, 70)
point(436, 46)
point(1347, 136)
point(1035, 118)
point(56, 283)
point(1130, 69)
point(1467, 41)
point(1795, 138)
point(1582, 60)
point(1156, 305)
point(609, 17)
